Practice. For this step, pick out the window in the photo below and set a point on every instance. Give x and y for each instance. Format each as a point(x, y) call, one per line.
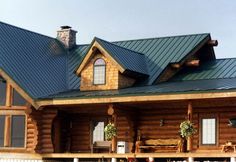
point(209, 131)
point(17, 99)
point(99, 73)
point(12, 130)
point(2, 92)
point(2, 128)
point(98, 131)
point(18, 131)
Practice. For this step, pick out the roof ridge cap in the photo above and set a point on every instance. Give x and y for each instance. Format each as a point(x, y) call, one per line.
point(121, 47)
point(27, 30)
point(182, 35)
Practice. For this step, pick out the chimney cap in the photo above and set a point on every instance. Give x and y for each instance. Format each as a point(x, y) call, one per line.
point(65, 27)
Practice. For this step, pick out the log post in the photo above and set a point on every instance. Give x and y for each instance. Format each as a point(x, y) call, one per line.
point(111, 111)
point(190, 118)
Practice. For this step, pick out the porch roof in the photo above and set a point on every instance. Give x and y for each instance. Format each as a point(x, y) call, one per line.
point(171, 87)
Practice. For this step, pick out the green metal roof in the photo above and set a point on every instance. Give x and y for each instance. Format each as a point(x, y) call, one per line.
point(37, 63)
point(159, 52)
point(195, 86)
point(42, 67)
point(215, 69)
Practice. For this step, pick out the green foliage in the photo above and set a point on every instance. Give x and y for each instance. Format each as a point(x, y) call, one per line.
point(187, 129)
point(110, 131)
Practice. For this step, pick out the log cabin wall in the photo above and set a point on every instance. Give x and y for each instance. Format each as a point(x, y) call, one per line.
point(80, 133)
point(33, 125)
point(39, 131)
point(155, 123)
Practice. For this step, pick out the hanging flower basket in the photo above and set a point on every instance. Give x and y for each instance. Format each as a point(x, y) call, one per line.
point(187, 129)
point(110, 131)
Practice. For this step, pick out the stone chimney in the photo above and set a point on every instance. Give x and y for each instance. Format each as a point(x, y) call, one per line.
point(67, 36)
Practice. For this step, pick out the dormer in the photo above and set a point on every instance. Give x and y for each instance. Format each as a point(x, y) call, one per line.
point(107, 66)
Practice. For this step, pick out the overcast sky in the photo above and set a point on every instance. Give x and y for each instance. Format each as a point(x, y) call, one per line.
point(127, 19)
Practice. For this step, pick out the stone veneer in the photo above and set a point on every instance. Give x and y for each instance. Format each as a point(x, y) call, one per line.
point(114, 79)
point(67, 36)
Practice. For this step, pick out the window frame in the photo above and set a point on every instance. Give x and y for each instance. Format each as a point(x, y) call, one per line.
point(210, 116)
point(94, 66)
point(10, 113)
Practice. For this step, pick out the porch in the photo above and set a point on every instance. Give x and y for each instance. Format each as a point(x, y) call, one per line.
point(72, 128)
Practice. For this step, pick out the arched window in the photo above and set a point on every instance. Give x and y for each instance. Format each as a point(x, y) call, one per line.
point(99, 72)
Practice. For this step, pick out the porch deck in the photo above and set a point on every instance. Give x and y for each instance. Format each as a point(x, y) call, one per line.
point(114, 155)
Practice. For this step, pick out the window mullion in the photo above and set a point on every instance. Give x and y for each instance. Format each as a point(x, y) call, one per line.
point(9, 94)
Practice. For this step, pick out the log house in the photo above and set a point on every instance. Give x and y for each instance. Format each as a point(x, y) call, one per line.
point(57, 97)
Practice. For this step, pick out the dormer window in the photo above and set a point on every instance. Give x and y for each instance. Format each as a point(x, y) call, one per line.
point(99, 72)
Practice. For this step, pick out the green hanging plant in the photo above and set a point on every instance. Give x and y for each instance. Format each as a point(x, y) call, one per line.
point(110, 131)
point(187, 129)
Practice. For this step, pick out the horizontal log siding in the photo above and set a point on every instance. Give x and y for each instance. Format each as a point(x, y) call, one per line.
point(80, 134)
point(45, 129)
point(149, 122)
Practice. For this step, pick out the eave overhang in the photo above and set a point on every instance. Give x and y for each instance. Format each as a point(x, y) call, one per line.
point(139, 98)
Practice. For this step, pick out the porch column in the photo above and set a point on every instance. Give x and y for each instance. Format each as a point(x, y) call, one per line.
point(190, 118)
point(111, 111)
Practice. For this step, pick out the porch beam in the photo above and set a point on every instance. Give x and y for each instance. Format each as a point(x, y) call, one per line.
point(190, 118)
point(137, 98)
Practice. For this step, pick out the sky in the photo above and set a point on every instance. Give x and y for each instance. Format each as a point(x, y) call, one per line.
point(127, 19)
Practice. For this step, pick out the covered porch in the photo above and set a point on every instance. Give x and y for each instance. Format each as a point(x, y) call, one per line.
point(72, 128)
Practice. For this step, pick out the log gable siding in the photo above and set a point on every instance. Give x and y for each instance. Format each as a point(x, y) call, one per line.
point(114, 79)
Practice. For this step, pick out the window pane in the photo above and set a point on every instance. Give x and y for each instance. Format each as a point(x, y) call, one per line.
point(99, 62)
point(209, 131)
point(17, 99)
point(2, 92)
point(18, 131)
point(99, 74)
point(98, 131)
point(2, 126)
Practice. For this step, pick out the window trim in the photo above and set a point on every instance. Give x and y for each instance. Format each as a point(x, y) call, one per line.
point(94, 66)
point(209, 116)
point(12, 113)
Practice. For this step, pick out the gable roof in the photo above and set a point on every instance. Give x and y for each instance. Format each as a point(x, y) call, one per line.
point(125, 59)
point(42, 67)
